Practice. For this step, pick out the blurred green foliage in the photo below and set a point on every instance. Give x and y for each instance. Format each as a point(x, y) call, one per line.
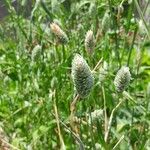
point(35, 71)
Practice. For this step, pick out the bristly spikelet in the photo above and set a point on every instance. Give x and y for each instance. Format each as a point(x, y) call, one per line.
point(89, 42)
point(82, 76)
point(59, 33)
point(122, 79)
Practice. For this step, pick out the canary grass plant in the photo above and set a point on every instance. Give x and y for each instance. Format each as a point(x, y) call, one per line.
point(75, 75)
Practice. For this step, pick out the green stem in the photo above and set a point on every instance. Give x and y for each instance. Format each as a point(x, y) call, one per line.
point(105, 113)
point(111, 118)
point(131, 48)
point(142, 17)
point(58, 53)
point(64, 53)
point(115, 27)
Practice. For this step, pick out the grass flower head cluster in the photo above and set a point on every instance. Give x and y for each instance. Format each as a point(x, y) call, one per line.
point(82, 76)
point(122, 79)
point(59, 33)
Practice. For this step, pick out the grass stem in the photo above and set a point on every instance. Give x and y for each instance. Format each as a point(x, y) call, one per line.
point(58, 126)
point(111, 119)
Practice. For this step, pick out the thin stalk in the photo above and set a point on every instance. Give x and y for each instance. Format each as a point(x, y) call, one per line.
point(131, 48)
point(58, 52)
point(50, 15)
point(115, 26)
point(111, 118)
point(97, 65)
point(64, 53)
point(144, 11)
point(63, 147)
point(120, 140)
point(142, 17)
point(127, 30)
point(105, 113)
point(73, 133)
point(91, 132)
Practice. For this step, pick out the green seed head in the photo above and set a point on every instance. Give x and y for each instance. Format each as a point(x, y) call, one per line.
point(122, 79)
point(89, 42)
point(59, 33)
point(36, 52)
point(82, 76)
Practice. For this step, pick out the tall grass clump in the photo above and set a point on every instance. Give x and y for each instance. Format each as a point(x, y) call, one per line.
point(74, 75)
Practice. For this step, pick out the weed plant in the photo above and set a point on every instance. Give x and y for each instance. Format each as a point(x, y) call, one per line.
point(41, 105)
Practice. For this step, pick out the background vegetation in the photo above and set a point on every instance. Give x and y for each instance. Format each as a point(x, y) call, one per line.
point(36, 88)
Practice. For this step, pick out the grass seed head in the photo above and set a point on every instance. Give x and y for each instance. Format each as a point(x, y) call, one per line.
point(103, 72)
point(82, 76)
point(89, 42)
point(59, 33)
point(122, 79)
point(36, 52)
